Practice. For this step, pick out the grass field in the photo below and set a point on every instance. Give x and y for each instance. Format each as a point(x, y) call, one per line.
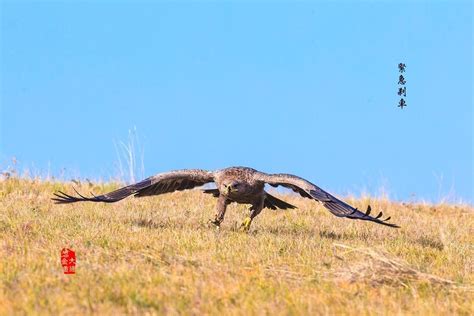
point(157, 255)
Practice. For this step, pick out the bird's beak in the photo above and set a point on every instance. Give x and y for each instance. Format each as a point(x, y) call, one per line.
point(231, 189)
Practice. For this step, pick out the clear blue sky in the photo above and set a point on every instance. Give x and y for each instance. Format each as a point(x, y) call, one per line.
point(307, 88)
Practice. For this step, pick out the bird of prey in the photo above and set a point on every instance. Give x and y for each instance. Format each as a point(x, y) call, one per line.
point(235, 184)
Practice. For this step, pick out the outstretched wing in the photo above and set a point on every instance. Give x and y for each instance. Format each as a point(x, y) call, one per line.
point(158, 184)
point(309, 190)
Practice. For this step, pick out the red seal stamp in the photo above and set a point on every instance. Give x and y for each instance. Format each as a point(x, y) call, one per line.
point(68, 261)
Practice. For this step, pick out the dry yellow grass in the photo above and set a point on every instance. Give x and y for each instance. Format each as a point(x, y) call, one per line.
point(156, 255)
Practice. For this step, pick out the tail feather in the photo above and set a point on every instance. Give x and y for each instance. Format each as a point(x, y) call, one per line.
point(214, 192)
point(273, 203)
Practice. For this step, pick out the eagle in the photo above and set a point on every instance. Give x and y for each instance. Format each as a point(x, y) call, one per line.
point(235, 184)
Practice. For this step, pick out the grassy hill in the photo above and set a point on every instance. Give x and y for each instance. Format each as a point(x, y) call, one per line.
point(157, 255)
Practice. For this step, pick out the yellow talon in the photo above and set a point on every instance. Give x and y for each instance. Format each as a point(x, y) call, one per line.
point(214, 223)
point(246, 224)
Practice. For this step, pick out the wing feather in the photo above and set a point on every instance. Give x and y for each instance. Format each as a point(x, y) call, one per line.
point(310, 190)
point(155, 185)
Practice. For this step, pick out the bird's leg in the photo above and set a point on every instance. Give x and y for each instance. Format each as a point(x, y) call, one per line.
point(254, 211)
point(222, 203)
point(248, 220)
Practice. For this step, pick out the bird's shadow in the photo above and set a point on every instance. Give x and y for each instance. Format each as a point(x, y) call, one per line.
point(332, 235)
point(149, 223)
point(278, 230)
point(314, 232)
point(162, 224)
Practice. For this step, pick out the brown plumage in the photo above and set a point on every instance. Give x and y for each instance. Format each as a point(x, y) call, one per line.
point(235, 184)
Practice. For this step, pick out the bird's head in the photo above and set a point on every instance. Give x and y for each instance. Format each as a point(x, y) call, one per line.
point(231, 187)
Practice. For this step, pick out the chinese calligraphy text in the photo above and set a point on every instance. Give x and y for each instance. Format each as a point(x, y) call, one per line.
point(68, 261)
point(403, 90)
